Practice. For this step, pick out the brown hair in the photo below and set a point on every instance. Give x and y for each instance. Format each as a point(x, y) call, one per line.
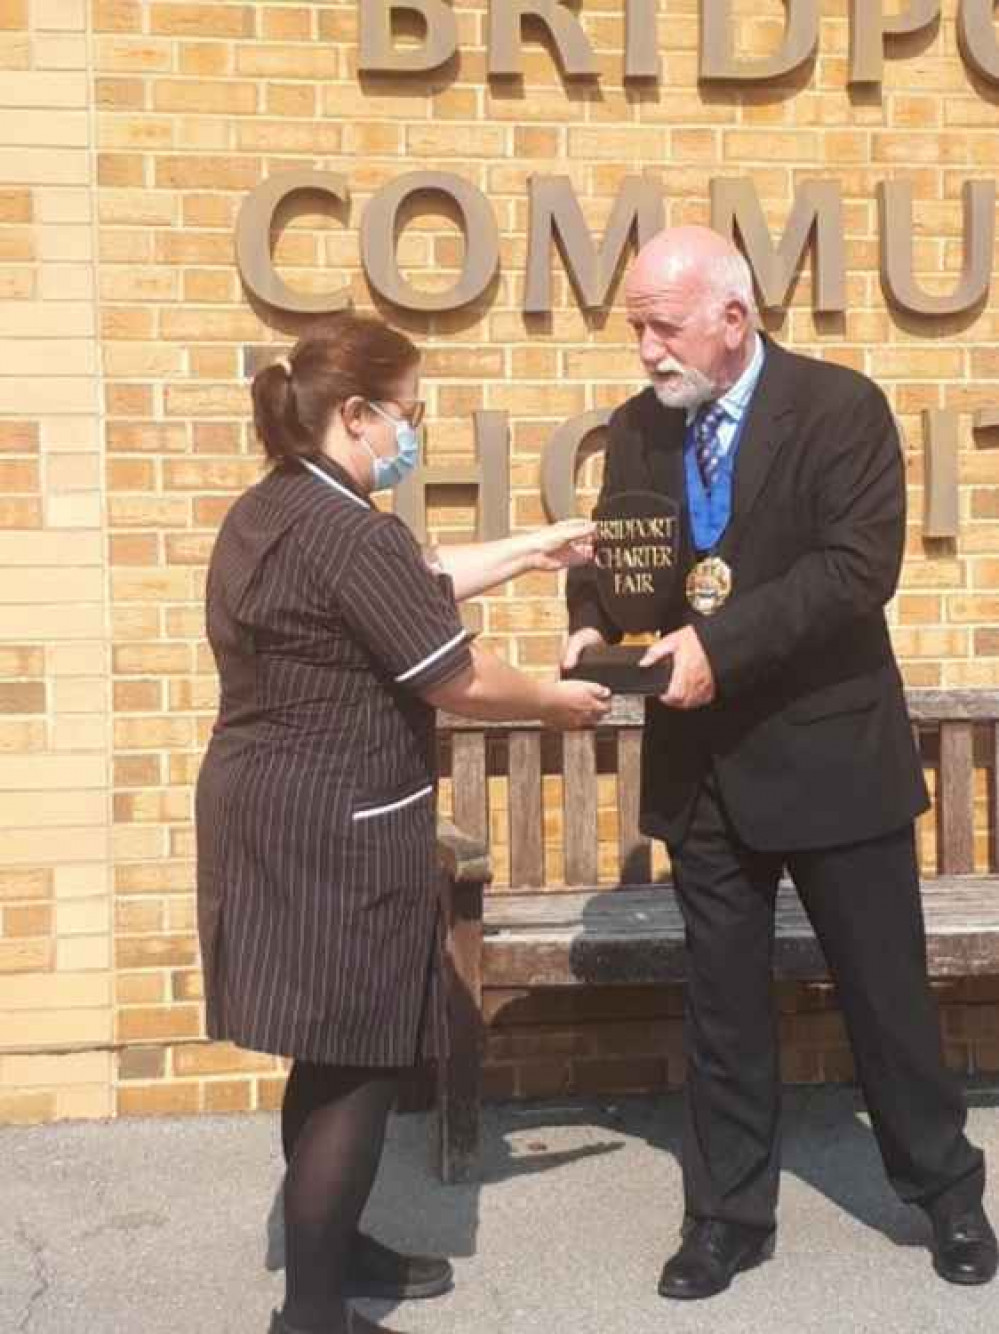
point(295, 397)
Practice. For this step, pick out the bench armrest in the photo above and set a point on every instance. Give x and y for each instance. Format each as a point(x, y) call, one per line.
point(465, 871)
point(462, 859)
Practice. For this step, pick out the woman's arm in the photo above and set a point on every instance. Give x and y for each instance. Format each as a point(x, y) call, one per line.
point(492, 690)
point(476, 566)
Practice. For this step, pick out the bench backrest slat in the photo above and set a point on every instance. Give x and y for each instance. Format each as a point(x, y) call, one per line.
point(993, 800)
point(579, 772)
point(992, 797)
point(471, 798)
point(634, 849)
point(955, 803)
point(527, 849)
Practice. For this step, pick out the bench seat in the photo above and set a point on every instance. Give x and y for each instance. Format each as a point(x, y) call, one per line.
point(633, 936)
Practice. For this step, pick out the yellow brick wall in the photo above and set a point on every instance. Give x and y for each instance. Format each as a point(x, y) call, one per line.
point(130, 133)
point(56, 992)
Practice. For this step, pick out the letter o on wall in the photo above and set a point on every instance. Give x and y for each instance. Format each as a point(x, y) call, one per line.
point(379, 233)
point(253, 240)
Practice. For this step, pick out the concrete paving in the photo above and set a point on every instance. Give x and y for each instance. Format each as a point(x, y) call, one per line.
point(144, 1227)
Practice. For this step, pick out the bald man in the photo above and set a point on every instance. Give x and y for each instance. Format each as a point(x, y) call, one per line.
point(783, 743)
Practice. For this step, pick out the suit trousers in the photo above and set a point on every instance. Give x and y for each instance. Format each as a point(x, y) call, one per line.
point(864, 905)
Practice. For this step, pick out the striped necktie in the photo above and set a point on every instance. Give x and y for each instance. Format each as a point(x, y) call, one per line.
point(707, 447)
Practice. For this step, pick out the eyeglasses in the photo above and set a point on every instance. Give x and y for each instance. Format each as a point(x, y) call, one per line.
point(415, 414)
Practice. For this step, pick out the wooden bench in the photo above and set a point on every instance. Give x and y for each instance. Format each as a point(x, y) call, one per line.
point(629, 932)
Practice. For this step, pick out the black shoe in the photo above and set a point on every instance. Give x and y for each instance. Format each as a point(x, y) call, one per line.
point(964, 1247)
point(378, 1271)
point(711, 1255)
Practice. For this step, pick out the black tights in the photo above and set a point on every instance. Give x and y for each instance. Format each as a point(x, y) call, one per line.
point(332, 1130)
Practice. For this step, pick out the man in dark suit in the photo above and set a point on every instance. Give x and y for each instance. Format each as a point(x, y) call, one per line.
point(782, 743)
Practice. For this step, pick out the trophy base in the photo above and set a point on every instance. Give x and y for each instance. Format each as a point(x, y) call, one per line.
point(616, 666)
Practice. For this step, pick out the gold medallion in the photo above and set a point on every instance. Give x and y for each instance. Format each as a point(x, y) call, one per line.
point(708, 585)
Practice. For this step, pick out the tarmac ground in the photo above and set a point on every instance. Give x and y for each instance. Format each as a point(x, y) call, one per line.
point(159, 1227)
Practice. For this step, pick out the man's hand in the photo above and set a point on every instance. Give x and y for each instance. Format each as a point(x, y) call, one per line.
point(574, 645)
point(692, 684)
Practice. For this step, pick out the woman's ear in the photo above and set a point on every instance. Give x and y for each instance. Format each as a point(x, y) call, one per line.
point(352, 412)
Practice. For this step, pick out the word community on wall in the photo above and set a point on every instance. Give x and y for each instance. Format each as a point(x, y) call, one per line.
point(409, 40)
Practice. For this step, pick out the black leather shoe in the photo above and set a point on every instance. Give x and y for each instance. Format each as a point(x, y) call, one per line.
point(378, 1271)
point(711, 1255)
point(964, 1247)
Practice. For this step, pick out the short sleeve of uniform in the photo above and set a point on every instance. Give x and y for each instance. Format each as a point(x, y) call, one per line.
point(404, 615)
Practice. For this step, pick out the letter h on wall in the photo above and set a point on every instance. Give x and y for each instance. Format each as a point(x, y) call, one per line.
point(490, 475)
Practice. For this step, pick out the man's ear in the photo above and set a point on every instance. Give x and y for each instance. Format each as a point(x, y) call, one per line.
point(736, 323)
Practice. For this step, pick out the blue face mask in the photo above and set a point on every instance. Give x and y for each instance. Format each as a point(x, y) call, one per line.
point(387, 472)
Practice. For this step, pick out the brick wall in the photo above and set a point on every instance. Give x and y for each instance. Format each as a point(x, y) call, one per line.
point(130, 133)
point(630, 1040)
point(56, 995)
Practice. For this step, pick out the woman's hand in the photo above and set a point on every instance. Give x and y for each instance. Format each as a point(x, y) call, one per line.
point(569, 705)
point(475, 567)
point(561, 545)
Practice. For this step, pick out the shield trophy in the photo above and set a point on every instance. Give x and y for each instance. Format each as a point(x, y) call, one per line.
point(636, 555)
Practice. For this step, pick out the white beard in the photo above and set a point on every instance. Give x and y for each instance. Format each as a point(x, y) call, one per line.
point(688, 388)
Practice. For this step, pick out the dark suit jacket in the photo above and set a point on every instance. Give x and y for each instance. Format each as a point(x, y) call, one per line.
point(809, 735)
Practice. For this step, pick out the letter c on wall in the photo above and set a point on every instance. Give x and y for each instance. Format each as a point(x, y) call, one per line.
point(253, 240)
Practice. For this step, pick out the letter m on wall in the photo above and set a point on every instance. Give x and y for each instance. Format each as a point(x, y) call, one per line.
point(556, 215)
point(816, 220)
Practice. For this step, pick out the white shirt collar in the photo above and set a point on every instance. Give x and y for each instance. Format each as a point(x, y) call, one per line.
point(736, 399)
point(337, 486)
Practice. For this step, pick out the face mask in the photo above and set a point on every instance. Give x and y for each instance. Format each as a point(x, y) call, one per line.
point(391, 471)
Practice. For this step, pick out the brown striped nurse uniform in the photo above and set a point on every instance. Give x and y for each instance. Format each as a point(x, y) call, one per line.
point(317, 885)
point(317, 876)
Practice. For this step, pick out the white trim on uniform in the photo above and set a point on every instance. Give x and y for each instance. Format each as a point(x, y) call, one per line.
point(325, 477)
point(432, 657)
point(369, 811)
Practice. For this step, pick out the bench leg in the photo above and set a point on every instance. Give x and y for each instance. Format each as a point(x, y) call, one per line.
point(460, 1070)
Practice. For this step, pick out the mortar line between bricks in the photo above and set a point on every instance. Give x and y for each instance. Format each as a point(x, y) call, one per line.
point(83, 1049)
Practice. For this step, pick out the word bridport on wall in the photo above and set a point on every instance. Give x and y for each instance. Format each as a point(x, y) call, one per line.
point(870, 28)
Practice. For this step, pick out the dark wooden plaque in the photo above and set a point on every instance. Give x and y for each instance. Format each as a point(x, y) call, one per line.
point(636, 554)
